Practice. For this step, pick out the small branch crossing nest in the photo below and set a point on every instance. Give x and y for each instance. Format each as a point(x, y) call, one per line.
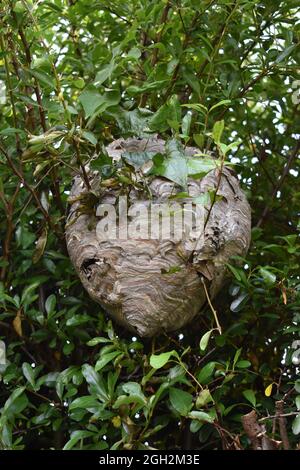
point(154, 285)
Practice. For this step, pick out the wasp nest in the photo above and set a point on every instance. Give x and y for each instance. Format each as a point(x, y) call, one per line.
point(154, 285)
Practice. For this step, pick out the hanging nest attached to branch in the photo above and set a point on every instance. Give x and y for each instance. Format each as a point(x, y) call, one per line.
point(155, 285)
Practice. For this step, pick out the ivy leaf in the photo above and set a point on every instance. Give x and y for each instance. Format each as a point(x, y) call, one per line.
point(168, 112)
point(174, 165)
point(94, 103)
point(137, 159)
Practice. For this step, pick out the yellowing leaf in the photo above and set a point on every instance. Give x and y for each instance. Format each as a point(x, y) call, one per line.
point(268, 390)
point(17, 324)
point(116, 421)
point(40, 247)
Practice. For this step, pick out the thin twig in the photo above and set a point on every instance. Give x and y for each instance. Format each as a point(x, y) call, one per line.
point(285, 171)
point(10, 92)
point(211, 306)
point(26, 185)
point(283, 415)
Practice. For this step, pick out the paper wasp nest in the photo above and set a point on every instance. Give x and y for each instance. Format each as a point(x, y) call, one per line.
point(153, 285)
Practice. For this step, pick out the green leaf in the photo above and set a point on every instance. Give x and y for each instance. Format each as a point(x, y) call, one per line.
point(296, 425)
point(128, 400)
point(206, 372)
point(98, 340)
point(237, 356)
point(239, 302)
point(76, 320)
point(297, 386)
point(133, 123)
point(77, 436)
point(221, 103)
point(16, 403)
point(197, 107)
point(44, 78)
point(186, 124)
point(235, 271)
point(90, 137)
point(40, 246)
point(226, 148)
point(135, 395)
point(134, 388)
point(204, 340)
point(199, 139)
point(201, 416)
point(218, 131)
point(28, 372)
point(15, 394)
point(12, 131)
point(285, 54)
point(267, 276)
point(297, 402)
point(137, 159)
point(105, 359)
point(250, 396)
point(160, 360)
point(84, 402)
point(180, 400)
point(104, 74)
point(79, 83)
point(203, 398)
point(146, 87)
point(168, 112)
point(199, 167)
point(94, 103)
point(50, 304)
point(95, 381)
point(243, 364)
point(174, 166)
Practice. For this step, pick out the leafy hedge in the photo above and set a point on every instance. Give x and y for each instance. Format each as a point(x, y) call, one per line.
point(77, 74)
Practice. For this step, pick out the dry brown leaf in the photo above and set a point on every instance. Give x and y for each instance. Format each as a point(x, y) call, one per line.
point(17, 323)
point(283, 291)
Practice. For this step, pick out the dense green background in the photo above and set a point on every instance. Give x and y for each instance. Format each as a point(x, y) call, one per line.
point(85, 72)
